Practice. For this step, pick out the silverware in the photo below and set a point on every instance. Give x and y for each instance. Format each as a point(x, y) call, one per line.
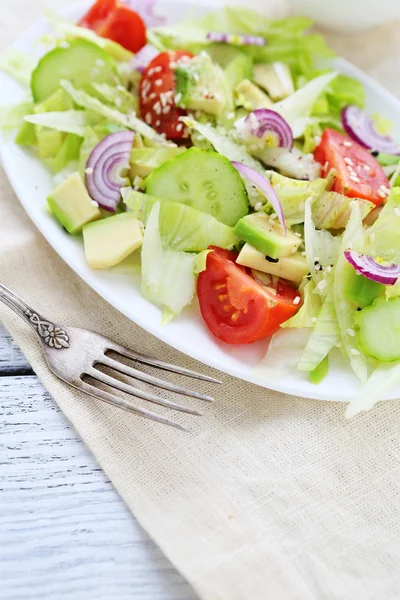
point(74, 355)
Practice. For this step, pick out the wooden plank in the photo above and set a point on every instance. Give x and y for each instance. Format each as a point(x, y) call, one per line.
point(64, 531)
point(12, 361)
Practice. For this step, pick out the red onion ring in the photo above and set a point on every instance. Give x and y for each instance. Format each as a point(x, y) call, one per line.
point(360, 127)
point(143, 58)
point(265, 188)
point(263, 120)
point(236, 39)
point(371, 269)
point(103, 170)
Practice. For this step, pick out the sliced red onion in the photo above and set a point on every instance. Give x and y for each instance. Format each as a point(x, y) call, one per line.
point(237, 39)
point(262, 184)
point(371, 269)
point(264, 121)
point(360, 127)
point(143, 58)
point(145, 8)
point(104, 168)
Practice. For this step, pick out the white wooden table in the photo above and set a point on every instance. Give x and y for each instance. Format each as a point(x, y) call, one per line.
point(64, 531)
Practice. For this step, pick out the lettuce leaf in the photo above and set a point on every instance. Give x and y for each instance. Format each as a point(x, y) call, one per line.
point(284, 350)
point(116, 96)
point(293, 194)
point(181, 227)
point(18, 64)
point(382, 238)
point(67, 121)
point(332, 210)
point(168, 278)
point(353, 237)
point(324, 337)
point(310, 309)
point(384, 379)
point(12, 117)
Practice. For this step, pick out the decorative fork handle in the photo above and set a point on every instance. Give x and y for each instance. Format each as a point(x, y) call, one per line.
point(49, 333)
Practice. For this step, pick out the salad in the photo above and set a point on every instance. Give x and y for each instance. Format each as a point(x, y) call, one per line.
point(229, 157)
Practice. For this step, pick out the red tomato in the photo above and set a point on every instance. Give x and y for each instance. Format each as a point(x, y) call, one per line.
point(117, 22)
point(157, 95)
point(236, 308)
point(359, 175)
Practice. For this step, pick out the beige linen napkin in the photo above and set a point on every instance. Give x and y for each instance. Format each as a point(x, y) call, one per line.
point(269, 497)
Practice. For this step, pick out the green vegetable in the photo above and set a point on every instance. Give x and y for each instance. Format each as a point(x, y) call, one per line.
point(168, 278)
point(358, 289)
point(118, 96)
point(204, 180)
point(17, 64)
point(68, 152)
point(250, 96)
point(181, 227)
point(73, 32)
point(332, 210)
point(275, 79)
point(284, 351)
point(267, 236)
point(293, 194)
point(384, 379)
point(377, 328)
point(50, 140)
point(346, 309)
point(293, 267)
point(81, 62)
point(309, 310)
point(200, 85)
point(320, 372)
point(68, 121)
point(382, 238)
point(144, 160)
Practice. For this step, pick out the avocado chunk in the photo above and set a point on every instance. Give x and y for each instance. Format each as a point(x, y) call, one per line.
point(145, 160)
point(359, 289)
point(71, 204)
point(249, 95)
point(109, 241)
point(267, 236)
point(275, 79)
point(294, 267)
point(200, 85)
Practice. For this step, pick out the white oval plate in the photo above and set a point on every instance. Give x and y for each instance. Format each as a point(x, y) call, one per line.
point(188, 332)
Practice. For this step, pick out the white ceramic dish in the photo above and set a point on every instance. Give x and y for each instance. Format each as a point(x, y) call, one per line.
point(32, 184)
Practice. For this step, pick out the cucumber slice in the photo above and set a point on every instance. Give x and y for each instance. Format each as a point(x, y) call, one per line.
point(81, 63)
point(378, 329)
point(204, 180)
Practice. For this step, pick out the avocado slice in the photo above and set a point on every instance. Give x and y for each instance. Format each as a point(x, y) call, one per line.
point(250, 96)
point(71, 204)
point(359, 289)
point(267, 235)
point(200, 85)
point(294, 267)
point(109, 241)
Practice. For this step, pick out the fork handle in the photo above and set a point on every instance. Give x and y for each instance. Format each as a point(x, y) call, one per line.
point(49, 333)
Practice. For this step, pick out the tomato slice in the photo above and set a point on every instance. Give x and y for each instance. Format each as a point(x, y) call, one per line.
point(157, 95)
point(235, 307)
point(116, 21)
point(359, 175)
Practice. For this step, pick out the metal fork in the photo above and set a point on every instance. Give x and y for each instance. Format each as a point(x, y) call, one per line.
point(74, 354)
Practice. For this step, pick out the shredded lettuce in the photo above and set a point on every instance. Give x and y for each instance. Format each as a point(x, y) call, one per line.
point(297, 108)
point(71, 32)
point(384, 379)
point(324, 337)
point(67, 121)
point(322, 250)
point(18, 64)
point(353, 237)
point(117, 96)
point(115, 116)
point(382, 238)
point(12, 117)
point(293, 194)
point(292, 163)
point(332, 210)
point(181, 227)
point(310, 309)
point(284, 350)
point(168, 278)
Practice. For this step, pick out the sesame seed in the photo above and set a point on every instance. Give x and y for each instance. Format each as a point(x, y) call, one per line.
point(321, 285)
point(158, 123)
point(150, 72)
point(296, 300)
point(351, 332)
point(100, 62)
point(314, 319)
point(179, 127)
point(148, 118)
point(294, 250)
point(355, 352)
point(303, 253)
point(157, 108)
point(178, 98)
point(381, 194)
point(158, 82)
point(152, 96)
point(89, 171)
point(94, 203)
point(328, 269)
point(367, 167)
point(326, 165)
point(347, 144)
point(166, 109)
point(258, 206)
point(64, 45)
point(274, 216)
point(121, 88)
point(354, 178)
point(348, 161)
point(297, 234)
point(157, 69)
point(316, 258)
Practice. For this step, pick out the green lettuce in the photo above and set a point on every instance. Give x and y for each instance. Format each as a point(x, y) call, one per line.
point(67, 121)
point(382, 238)
point(284, 351)
point(332, 210)
point(168, 277)
point(310, 309)
point(293, 194)
point(384, 379)
point(18, 64)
